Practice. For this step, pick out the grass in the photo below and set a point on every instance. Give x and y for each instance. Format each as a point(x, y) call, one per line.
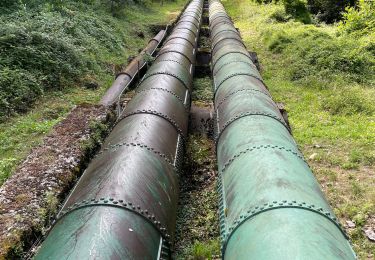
point(318, 75)
point(197, 233)
point(20, 133)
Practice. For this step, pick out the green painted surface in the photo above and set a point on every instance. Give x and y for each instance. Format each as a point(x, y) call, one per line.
point(271, 205)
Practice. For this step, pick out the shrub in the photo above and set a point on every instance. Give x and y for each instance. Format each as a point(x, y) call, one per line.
point(359, 20)
point(329, 11)
point(280, 16)
point(298, 10)
point(295, 8)
point(44, 49)
point(18, 88)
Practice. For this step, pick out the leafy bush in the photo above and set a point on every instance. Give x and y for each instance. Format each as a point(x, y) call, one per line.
point(295, 8)
point(329, 11)
point(43, 49)
point(298, 10)
point(359, 20)
point(280, 16)
point(18, 88)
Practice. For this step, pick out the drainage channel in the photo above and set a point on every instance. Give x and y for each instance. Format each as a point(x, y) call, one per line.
point(197, 231)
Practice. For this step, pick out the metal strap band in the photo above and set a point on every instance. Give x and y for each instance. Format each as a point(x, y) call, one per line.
point(124, 73)
point(279, 205)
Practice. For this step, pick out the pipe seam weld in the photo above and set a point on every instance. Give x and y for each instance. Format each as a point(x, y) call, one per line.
point(246, 90)
point(279, 205)
point(226, 38)
point(221, 206)
point(186, 28)
point(245, 114)
point(166, 73)
point(235, 61)
point(168, 91)
point(189, 15)
point(174, 51)
point(179, 37)
point(156, 113)
point(268, 146)
point(111, 202)
point(231, 52)
point(140, 145)
point(187, 22)
point(225, 30)
point(238, 74)
point(170, 60)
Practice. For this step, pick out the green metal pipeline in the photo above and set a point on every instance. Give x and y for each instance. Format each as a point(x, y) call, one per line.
point(124, 205)
point(271, 205)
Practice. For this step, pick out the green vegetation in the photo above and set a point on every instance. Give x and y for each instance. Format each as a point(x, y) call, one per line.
point(328, 11)
point(325, 77)
point(55, 45)
point(197, 233)
point(49, 55)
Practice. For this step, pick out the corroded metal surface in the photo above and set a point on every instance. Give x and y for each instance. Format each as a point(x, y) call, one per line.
point(124, 78)
point(271, 206)
point(124, 205)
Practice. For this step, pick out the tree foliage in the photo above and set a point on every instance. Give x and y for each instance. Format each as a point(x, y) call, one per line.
point(361, 20)
point(329, 11)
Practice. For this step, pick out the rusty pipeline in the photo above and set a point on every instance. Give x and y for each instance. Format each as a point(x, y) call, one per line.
point(271, 205)
point(125, 77)
point(124, 205)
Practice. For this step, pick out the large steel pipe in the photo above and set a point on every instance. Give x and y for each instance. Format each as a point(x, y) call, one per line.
point(271, 206)
point(124, 205)
point(125, 77)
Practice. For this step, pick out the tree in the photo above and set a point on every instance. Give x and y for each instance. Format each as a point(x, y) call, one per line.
point(329, 11)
